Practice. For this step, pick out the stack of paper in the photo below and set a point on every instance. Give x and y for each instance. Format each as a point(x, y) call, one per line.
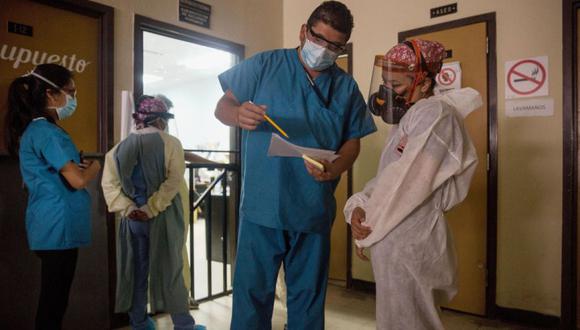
point(282, 148)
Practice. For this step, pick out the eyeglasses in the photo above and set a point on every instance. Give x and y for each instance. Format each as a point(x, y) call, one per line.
point(322, 41)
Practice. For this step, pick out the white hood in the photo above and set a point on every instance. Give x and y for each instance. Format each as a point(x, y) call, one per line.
point(464, 100)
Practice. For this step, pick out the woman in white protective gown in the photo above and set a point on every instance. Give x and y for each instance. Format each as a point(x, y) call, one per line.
point(425, 169)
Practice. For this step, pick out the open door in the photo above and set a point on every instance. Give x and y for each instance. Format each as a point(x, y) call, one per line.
point(466, 42)
point(183, 66)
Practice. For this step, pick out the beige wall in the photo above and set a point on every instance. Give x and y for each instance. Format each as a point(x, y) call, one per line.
point(252, 23)
point(530, 149)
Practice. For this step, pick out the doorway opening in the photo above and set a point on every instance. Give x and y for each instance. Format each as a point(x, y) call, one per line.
point(183, 66)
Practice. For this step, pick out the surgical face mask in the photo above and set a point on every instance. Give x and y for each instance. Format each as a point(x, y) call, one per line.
point(389, 105)
point(317, 57)
point(68, 109)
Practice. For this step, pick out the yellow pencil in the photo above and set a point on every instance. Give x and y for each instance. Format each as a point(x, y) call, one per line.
point(276, 126)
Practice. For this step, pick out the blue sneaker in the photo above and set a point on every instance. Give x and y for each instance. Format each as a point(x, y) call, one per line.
point(199, 327)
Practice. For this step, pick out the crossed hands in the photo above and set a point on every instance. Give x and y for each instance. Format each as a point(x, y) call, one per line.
point(138, 215)
point(359, 231)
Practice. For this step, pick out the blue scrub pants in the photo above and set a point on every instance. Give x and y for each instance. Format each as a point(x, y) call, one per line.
point(261, 251)
point(138, 314)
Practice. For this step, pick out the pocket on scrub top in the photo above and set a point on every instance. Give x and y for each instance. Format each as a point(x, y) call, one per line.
point(327, 127)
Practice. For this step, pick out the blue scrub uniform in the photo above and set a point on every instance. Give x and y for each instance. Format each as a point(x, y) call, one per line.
point(57, 215)
point(285, 215)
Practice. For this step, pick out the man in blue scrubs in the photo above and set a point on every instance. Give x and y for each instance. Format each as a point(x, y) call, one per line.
point(288, 205)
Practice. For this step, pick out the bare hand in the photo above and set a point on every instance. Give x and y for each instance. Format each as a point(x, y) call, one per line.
point(360, 252)
point(138, 215)
point(329, 173)
point(359, 231)
point(250, 115)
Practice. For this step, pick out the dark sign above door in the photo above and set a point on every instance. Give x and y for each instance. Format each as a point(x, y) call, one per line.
point(194, 12)
point(18, 28)
point(444, 10)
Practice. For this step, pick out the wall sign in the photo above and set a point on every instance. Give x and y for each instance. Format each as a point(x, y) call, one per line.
point(32, 39)
point(449, 78)
point(526, 77)
point(543, 107)
point(19, 28)
point(444, 10)
point(194, 12)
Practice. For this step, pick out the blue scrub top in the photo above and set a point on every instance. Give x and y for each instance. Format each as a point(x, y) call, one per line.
point(57, 216)
point(278, 192)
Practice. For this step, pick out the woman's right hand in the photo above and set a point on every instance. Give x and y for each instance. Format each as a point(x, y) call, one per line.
point(250, 115)
point(359, 231)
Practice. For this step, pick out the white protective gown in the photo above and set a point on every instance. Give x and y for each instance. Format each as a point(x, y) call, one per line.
point(425, 169)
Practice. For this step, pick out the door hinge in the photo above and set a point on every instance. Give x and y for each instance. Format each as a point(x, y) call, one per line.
point(487, 162)
point(487, 45)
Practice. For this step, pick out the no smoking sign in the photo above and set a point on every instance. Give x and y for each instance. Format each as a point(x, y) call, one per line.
point(449, 78)
point(446, 77)
point(527, 77)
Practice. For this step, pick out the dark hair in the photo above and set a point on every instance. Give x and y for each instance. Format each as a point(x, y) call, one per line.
point(27, 100)
point(335, 14)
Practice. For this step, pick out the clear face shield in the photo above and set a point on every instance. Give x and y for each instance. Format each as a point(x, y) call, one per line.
point(392, 87)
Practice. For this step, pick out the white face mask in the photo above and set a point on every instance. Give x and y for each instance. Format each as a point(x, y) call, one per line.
point(68, 109)
point(317, 57)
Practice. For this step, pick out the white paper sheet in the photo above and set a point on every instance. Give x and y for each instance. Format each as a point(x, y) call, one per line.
point(282, 148)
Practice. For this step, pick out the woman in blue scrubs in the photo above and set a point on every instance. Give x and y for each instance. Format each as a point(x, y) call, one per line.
point(287, 205)
point(58, 211)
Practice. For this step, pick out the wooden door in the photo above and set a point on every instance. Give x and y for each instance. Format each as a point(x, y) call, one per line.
point(338, 240)
point(468, 45)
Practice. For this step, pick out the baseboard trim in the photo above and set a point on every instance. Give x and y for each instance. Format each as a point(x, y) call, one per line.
point(502, 313)
point(526, 317)
point(362, 285)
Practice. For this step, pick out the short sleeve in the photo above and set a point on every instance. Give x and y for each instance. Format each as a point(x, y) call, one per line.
point(243, 79)
point(360, 122)
point(57, 149)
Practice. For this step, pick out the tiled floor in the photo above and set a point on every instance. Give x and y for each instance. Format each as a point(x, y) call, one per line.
point(345, 310)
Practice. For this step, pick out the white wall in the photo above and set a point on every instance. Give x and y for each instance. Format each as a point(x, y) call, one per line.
point(530, 149)
point(256, 24)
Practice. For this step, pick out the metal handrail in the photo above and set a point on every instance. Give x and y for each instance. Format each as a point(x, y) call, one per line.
point(208, 190)
point(195, 204)
point(213, 166)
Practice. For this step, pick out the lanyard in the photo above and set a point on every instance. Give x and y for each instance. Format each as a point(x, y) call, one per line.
point(317, 90)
